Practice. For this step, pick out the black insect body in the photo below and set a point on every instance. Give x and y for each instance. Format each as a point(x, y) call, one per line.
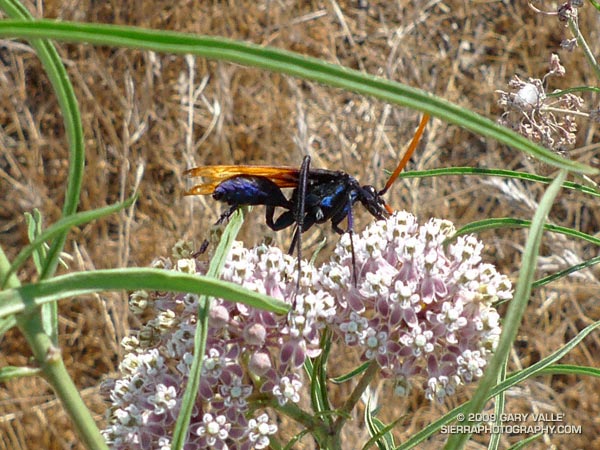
point(319, 195)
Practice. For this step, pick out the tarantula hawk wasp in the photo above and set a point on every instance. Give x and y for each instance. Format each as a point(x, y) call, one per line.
point(319, 195)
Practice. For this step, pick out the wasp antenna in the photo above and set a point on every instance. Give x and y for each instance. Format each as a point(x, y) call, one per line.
point(411, 149)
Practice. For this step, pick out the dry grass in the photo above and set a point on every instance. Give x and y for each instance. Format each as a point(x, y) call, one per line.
point(135, 112)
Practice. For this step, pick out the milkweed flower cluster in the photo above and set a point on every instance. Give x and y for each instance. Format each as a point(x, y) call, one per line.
point(420, 309)
point(251, 354)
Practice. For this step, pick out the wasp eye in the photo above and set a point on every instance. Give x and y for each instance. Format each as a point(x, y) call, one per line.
point(370, 190)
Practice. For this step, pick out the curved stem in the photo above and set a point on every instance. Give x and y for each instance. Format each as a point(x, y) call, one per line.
point(585, 47)
point(50, 361)
point(355, 397)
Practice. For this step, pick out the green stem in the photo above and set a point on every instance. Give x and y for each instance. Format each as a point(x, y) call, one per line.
point(317, 428)
point(585, 47)
point(65, 95)
point(50, 361)
point(355, 397)
point(56, 374)
point(292, 410)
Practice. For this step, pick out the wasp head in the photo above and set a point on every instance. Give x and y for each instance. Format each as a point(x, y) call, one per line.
point(373, 201)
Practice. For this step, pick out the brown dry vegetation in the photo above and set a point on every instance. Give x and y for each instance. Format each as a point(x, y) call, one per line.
point(135, 115)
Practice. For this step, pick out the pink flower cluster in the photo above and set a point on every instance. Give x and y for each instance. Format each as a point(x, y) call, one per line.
point(251, 354)
point(420, 308)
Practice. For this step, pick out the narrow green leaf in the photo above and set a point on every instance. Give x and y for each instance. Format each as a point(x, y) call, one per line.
point(190, 395)
point(316, 370)
point(322, 360)
point(466, 171)
point(308, 368)
point(566, 272)
point(320, 245)
point(571, 369)
point(67, 101)
point(60, 227)
point(595, 4)
point(11, 372)
point(499, 403)
point(295, 439)
point(570, 90)
point(316, 398)
point(509, 222)
point(542, 367)
point(490, 224)
point(28, 297)
point(525, 442)
point(515, 311)
point(380, 432)
point(34, 229)
point(48, 311)
point(284, 62)
point(354, 373)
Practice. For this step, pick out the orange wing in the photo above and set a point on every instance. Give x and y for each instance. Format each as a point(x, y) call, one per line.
point(284, 177)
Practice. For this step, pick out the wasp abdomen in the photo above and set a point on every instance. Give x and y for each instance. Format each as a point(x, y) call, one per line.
point(249, 190)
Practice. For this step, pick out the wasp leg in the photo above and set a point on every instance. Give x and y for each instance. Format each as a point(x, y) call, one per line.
point(224, 217)
point(227, 214)
point(301, 203)
point(285, 220)
point(346, 211)
point(309, 221)
point(335, 221)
